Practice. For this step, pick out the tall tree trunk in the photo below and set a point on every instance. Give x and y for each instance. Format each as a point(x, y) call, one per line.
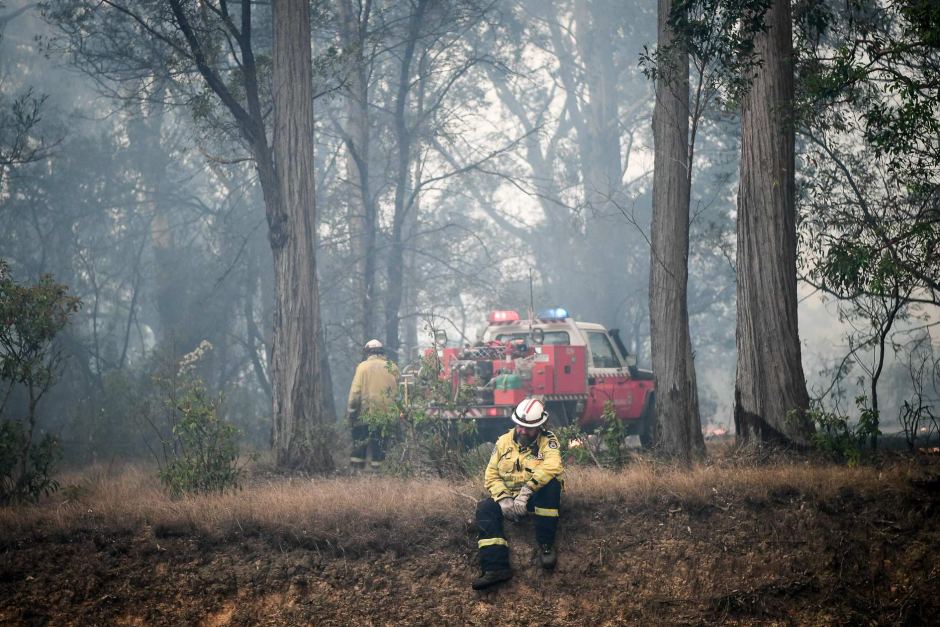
point(167, 262)
point(679, 431)
point(606, 240)
point(410, 293)
point(362, 208)
point(254, 337)
point(769, 382)
point(300, 428)
point(403, 204)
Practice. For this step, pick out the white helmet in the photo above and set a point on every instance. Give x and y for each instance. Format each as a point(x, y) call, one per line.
point(530, 413)
point(372, 345)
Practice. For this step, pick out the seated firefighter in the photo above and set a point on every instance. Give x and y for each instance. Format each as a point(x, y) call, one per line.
point(523, 477)
point(373, 391)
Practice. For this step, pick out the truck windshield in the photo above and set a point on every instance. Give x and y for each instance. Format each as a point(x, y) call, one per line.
point(602, 352)
point(551, 337)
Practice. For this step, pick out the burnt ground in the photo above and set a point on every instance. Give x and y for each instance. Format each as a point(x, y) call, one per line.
point(853, 557)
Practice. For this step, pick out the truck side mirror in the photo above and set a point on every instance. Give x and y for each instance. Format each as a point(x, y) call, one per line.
point(440, 337)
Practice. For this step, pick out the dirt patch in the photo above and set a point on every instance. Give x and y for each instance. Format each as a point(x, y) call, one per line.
point(793, 557)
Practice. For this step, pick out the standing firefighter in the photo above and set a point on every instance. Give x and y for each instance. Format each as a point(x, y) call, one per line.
point(373, 391)
point(523, 477)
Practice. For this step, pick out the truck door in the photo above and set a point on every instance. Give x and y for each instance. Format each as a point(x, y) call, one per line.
point(609, 378)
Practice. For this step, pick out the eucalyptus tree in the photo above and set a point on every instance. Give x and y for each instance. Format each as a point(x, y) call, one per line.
point(568, 78)
point(214, 60)
point(714, 38)
point(770, 388)
point(23, 138)
point(301, 435)
point(870, 80)
point(358, 40)
point(870, 225)
point(410, 88)
point(678, 428)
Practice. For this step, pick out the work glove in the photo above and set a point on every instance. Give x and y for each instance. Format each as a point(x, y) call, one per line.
point(520, 502)
point(506, 504)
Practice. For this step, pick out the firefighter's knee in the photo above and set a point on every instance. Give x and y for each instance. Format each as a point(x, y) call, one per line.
point(549, 495)
point(487, 508)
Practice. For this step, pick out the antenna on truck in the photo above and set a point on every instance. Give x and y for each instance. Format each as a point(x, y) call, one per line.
point(531, 302)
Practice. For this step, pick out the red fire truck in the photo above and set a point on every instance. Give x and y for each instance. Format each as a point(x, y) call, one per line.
point(575, 367)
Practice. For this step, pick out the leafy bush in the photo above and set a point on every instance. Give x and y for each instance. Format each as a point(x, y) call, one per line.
point(205, 449)
point(577, 447)
point(31, 316)
point(837, 438)
point(201, 456)
point(614, 434)
point(606, 447)
point(25, 467)
point(421, 442)
point(416, 439)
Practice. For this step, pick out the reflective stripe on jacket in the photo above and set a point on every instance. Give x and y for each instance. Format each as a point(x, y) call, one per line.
point(374, 386)
point(511, 467)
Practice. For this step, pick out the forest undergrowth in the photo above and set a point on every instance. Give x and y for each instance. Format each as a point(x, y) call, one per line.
point(128, 497)
point(738, 540)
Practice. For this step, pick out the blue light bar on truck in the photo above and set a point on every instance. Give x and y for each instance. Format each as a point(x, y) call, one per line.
point(556, 313)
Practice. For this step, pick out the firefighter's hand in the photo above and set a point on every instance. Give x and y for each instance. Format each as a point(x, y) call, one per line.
point(507, 505)
point(520, 502)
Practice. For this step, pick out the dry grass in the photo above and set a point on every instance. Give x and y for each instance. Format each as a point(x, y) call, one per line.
point(358, 512)
point(371, 512)
point(729, 541)
point(646, 484)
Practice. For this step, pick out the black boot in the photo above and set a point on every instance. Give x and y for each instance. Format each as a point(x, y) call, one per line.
point(547, 556)
point(491, 578)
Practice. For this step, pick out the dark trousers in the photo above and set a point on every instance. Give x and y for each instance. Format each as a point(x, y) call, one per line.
point(494, 549)
point(363, 444)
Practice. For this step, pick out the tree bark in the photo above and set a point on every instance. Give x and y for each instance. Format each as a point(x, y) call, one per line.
point(678, 431)
point(300, 427)
point(769, 383)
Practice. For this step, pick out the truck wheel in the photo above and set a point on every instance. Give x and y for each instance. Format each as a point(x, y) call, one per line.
point(648, 423)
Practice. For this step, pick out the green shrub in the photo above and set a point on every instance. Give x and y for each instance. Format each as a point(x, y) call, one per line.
point(25, 467)
point(837, 438)
point(31, 316)
point(205, 450)
point(614, 434)
point(420, 442)
point(606, 447)
point(201, 454)
point(416, 439)
point(575, 445)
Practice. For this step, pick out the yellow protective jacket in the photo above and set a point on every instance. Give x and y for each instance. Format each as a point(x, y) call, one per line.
point(512, 466)
point(374, 386)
